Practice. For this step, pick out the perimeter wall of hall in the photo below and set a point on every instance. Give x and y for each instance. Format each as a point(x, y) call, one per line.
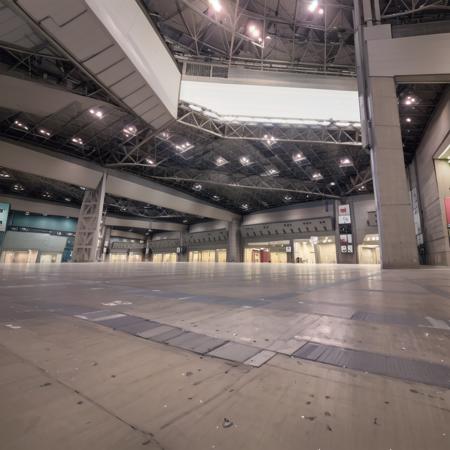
point(430, 186)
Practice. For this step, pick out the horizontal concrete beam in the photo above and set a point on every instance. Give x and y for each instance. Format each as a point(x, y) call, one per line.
point(39, 206)
point(55, 209)
point(144, 224)
point(56, 166)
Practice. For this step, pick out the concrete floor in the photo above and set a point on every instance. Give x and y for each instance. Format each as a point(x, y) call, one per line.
point(74, 384)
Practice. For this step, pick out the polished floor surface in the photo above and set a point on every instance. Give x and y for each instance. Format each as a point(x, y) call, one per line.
point(378, 380)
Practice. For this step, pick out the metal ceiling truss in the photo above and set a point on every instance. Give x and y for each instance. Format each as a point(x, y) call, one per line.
point(290, 36)
point(259, 132)
point(414, 10)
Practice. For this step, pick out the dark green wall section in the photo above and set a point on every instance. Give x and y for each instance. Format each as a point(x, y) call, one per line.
point(19, 219)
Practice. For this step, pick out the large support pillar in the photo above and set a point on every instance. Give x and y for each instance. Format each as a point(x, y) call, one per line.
point(382, 136)
point(234, 251)
point(86, 243)
point(394, 211)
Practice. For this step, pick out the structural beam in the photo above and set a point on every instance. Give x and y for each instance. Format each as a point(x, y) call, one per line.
point(54, 209)
point(80, 173)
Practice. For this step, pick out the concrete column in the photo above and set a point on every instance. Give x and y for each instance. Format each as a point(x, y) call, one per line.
point(234, 250)
point(395, 219)
point(183, 256)
point(105, 242)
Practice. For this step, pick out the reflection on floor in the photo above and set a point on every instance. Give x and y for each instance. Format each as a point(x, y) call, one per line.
point(109, 382)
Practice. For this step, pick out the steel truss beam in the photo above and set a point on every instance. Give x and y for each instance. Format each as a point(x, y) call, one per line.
point(259, 132)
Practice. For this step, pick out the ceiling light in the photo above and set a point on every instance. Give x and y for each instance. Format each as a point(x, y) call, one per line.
point(67, 199)
point(313, 6)
point(77, 140)
point(221, 161)
point(254, 31)
point(44, 132)
point(317, 176)
point(96, 112)
point(244, 206)
point(342, 124)
point(215, 4)
point(165, 135)
point(321, 11)
point(4, 174)
point(27, 213)
point(82, 188)
point(332, 183)
point(184, 147)
point(185, 221)
point(123, 208)
point(46, 195)
point(270, 172)
point(408, 119)
point(345, 162)
point(150, 161)
point(270, 140)
point(216, 198)
point(410, 100)
point(287, 198)
point(20, 125)
point(130, 130)
point(362, 188)
point(197, 187)
point(299, 156)
point(244, 160)
point(18, 187)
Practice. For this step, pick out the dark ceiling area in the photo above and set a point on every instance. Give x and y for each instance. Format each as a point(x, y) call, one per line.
point(242, 175)
point(38, 188)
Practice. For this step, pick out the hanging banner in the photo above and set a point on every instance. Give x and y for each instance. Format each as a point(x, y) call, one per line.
point(447, 210)
point(345, 229)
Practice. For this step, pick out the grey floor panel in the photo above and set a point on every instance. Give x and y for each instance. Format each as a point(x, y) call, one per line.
point(198, 343)
point(391, 319)
point(406, 369)
point(260, 358)
point(120, 322)
point(154, 331)
point(167, 335)
point(185, 340)
point(95, 314)
point(139, 327)
point(235, 352)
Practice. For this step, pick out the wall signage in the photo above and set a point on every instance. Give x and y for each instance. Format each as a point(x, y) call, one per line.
point(345, 229)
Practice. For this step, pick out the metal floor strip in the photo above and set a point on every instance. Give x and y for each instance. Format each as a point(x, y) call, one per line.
point(378, 364)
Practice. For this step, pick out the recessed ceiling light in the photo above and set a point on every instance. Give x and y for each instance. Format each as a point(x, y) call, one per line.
point(297, 157)
point(21, 125)
point(221, 161)
point(96, 112)
point(129, 130)
point(77, 140)
point(343, 162)
point(44, 132)
point(244, 160)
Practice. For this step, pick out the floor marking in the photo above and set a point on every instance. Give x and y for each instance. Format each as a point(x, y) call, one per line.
point(156, 290)
point(117, 303)
point(183, 298)
point(437, 323)
point(13, 327)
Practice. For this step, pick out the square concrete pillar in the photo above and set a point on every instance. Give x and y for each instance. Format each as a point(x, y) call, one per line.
point(394, 211)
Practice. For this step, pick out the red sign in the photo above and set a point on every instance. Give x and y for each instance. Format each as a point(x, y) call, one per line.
point(447, 210)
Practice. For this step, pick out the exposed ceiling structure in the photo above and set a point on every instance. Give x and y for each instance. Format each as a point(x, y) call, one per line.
point(40, 188)
point(242, 175)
